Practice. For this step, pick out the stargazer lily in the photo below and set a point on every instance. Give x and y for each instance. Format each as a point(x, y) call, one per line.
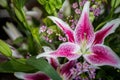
point(83, 41)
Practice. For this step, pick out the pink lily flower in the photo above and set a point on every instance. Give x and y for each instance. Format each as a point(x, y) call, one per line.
point(83, 41)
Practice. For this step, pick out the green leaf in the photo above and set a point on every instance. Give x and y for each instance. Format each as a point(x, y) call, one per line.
point(19, 3)
point(50, 8)
point(19, 40)
point(16, 65)
point(42, 2)
point(3, 3)
point(19, 14)
point(51, 5)
point(56, 3)
point(115, 3)
point(42, 65)
point(5, 49)
point(35, 34)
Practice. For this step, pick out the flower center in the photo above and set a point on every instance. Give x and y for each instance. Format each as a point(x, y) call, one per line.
point(83, 47)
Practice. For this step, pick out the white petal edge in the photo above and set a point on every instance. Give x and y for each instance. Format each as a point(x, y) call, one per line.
point(54, 19)
point(115, 23)
point(47, 49)
point(19, 75)
point(45, 54)
point(85, 10)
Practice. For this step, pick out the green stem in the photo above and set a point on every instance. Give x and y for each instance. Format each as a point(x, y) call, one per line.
point(99, 26)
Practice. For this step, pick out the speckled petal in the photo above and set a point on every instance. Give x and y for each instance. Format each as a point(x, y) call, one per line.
point(54, 62)
point(84, 29)
point(102, 55)
point(65, 69)
point(68, 50)
point(109, 28)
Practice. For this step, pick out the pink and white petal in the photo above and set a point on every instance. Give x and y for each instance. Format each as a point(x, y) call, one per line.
point(105, 31)
point(102, 55)
point(68, 50)
point(47, 49)
point(54, 62)
point(65, 69)
point(84, 29)
point(64, 27)
point(46, 54)
point(32, 76)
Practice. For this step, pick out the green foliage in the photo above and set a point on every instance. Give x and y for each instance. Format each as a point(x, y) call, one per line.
point(107, 73)
point(3, 3)
point(5, 49)
point(42, 65)
point(115, 3)
point(42, 2)
point(51, 6)
point(15, 65)
point(36, 35)
point(19, 3)
point(20, 13)
point(33, 46)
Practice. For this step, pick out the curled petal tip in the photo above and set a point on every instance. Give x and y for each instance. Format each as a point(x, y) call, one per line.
point(19, 75)
point(45, 54)
point(115, 23)
point(64, 27)
point(58, 21)
point(86, 8)
point(109, 28)
point(47, 49)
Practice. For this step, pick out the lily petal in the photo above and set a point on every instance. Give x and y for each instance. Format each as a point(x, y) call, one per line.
point(47, 49)
point(67, 50)
point(102, 55)
point(65, 69)
point(84, 29)
point(32, 76)
point(54, 62)
point(105, 31)
point(64, 27)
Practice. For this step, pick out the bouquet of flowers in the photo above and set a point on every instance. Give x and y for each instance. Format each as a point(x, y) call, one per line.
point(60, 39)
